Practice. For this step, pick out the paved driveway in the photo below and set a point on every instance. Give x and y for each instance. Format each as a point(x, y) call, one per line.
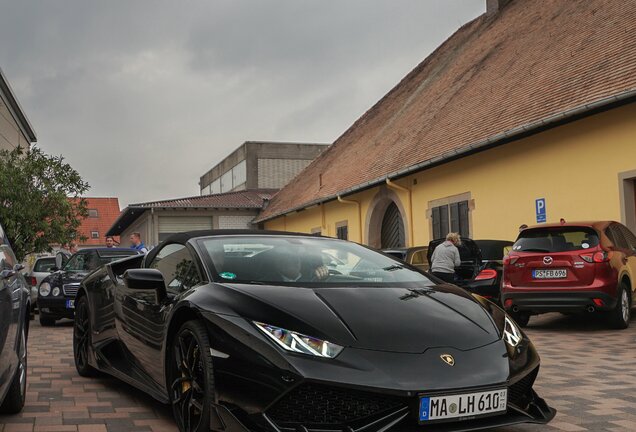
point(588, 374)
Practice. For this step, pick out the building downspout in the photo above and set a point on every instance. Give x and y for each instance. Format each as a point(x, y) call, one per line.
point(359, 210)
point(397, 187)
point(155, 235)
point(323, 221)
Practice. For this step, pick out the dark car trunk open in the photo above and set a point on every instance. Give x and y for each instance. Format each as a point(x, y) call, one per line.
point(470, 255)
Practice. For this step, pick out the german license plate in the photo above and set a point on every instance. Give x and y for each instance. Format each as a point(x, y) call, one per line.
point(549, 274)
point(462, 405)
point(70, 304)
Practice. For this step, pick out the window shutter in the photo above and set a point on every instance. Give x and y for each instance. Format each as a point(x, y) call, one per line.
point(464, 228)
point(444, 219)
point(454, 217)
point(436, 223)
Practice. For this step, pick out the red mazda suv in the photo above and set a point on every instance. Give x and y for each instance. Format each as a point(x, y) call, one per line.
point(571, 267)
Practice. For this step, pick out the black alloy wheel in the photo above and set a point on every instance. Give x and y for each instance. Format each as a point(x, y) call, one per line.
point(190, 378)
point(16, 395)
point(82, 339)
point(620, 316)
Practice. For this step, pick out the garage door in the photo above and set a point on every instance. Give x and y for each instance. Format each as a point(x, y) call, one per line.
point(176, 224)
point(235, 222)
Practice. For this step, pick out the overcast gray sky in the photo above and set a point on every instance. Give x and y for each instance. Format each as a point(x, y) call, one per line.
point(143, 97)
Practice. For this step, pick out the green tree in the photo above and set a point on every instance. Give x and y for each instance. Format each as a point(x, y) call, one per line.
point(40, 200)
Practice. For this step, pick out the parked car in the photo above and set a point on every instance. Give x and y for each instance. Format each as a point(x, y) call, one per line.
point(56, 293)
point(415, 256)
point(14, 330)
point(482, 265)
point(572, 267)
point(42, 267)
point(270, 341)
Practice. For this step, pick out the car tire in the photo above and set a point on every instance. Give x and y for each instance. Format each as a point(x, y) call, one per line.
point(46, 320)
point(82, 339)
point(621, 314)
point(16, 395)
point(521, 318)
point(190, 377)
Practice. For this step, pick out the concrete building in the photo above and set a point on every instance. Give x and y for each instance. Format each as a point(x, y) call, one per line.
point(232, 193)
point(532, 102)
point(259, 165)
point(15, 129)
point(158, 219)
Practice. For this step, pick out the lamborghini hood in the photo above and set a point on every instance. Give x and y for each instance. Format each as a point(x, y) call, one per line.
point(407, 320)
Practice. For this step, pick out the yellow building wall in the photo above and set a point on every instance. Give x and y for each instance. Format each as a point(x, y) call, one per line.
point(575, 167)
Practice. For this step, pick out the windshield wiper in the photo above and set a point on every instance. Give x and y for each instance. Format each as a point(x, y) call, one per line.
point(393, 268)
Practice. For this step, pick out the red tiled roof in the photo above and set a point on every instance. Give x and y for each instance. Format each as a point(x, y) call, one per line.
point(252, 198)
point(496, 75)
point(107, 213)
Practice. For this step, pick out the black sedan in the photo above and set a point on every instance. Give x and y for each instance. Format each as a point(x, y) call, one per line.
point(56, 292)
point(249, 330)
point(15, 312)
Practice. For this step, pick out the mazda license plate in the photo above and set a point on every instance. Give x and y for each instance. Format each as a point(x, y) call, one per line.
point(549, 274)
point(70, 304)
point(463, 405)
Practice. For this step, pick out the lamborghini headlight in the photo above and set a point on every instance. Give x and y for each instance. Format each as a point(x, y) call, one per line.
point(299, 343)
point(511, 334)
point(45, 289)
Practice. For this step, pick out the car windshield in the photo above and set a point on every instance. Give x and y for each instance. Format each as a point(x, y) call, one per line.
point(83, 262)
point(303, 260)
point(558, 239)
point(44, 264)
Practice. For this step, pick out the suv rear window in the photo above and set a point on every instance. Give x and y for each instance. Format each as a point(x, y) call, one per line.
point(44, 264)
point(558, 239)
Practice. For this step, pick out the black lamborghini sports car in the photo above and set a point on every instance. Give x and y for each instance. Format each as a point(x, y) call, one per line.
point(264, 331)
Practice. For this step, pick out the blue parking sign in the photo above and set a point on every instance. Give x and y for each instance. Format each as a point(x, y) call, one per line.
point(539, 205)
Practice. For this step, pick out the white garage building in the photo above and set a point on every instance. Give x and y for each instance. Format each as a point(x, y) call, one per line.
point(157, 220)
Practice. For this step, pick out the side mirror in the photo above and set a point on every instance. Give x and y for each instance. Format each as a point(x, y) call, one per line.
point(6, 274)
point(60, 260)
point(146, 279)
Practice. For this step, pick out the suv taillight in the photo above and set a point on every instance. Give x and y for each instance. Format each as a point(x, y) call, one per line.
point(486, 274)
point(34, 281)
point(595, 257)
point(510, 259)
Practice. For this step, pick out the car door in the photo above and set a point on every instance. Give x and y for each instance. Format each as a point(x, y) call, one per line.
point(10, 302)
point(418, 259)
point(142, 321)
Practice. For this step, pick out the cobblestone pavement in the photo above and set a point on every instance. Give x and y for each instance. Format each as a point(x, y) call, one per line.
point(588, 373)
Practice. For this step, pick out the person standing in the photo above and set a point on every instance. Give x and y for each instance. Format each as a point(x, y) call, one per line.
point(446, 258)
point(136, 243)
point(110, 242)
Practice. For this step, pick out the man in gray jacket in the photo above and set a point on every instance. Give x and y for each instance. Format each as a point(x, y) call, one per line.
point(446, 258)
